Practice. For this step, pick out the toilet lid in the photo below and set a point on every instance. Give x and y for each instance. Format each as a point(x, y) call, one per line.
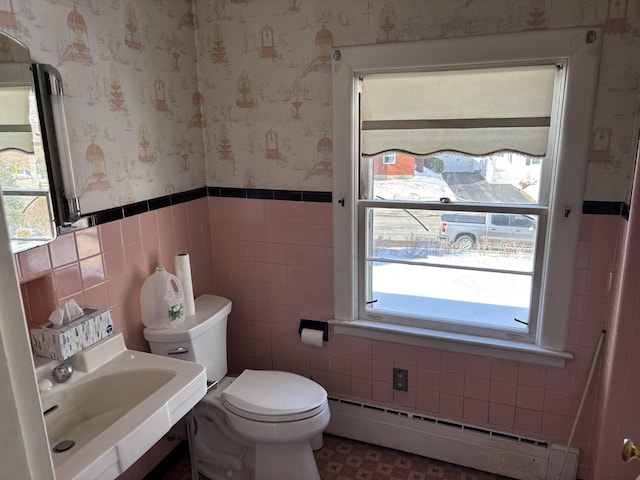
point(270, 393)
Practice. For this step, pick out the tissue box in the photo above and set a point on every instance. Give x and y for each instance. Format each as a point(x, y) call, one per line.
point(61, 342)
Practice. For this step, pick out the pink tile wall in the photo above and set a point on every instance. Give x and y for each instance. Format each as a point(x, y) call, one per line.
point(618, 412)
point(105, 266)
point(273, 259)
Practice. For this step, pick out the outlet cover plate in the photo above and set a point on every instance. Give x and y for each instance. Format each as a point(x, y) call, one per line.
point(400, 379)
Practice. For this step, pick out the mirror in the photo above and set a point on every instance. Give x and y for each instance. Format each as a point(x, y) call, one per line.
point(23, 171)
point(32, 141)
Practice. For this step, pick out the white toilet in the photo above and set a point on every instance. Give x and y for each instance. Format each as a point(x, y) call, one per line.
point(261, 425)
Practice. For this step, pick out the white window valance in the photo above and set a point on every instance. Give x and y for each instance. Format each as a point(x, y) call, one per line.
point(476, 111)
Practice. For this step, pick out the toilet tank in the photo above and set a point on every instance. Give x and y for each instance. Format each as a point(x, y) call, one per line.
point(201, 339)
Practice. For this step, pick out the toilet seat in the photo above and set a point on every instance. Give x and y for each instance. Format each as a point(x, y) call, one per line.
point(274, 396)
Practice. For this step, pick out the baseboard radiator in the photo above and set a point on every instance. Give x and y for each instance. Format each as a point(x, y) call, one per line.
point(487, 450)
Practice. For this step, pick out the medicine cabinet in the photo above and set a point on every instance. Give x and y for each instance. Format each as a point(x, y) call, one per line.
point(35, 176)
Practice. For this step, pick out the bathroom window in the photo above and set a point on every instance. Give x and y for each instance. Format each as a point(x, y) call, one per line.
point(466, 241)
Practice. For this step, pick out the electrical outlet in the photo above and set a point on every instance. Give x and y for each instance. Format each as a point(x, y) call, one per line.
point(400, 379)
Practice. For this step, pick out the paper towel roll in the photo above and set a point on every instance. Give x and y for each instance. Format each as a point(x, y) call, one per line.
point(183, 272)
point(311, 337)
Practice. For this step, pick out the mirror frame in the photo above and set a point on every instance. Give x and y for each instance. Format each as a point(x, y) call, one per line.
point(48, 87)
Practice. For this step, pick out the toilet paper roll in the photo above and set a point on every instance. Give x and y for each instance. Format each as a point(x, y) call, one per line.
point(183, 272)
point(311, 337)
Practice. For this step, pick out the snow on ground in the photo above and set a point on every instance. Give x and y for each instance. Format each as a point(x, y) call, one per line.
point(467, 296)
point(425, 185)
point(452, 284)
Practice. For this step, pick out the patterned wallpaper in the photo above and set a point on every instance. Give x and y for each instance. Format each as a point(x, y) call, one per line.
point(130, 81)
point(265, 73)
point(164, 94)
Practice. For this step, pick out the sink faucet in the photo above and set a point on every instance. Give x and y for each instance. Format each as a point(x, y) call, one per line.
point(62, 373)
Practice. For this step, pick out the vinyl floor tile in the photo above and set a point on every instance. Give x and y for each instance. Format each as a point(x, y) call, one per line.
point(344, 459)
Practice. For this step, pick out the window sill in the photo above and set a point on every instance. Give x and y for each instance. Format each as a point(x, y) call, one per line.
point(486, 347)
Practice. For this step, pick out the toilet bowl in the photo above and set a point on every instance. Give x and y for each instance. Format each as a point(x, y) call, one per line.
point(262, 424)
point(256, 439)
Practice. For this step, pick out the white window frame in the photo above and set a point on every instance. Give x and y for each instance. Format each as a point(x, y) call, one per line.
point(580, 48)
point(389, 159)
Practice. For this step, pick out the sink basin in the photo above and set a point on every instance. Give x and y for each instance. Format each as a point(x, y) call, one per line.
point(117, 404)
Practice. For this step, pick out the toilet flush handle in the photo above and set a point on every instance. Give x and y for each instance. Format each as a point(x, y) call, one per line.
point(178, 351)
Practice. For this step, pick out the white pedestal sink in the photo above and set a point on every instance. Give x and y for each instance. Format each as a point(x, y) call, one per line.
point(116, 405)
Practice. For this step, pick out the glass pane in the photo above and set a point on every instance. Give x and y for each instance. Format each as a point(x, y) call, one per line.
point(465, 267)
point(498, 241)
point(503, 177)
point(467, 297)
point(28, 220)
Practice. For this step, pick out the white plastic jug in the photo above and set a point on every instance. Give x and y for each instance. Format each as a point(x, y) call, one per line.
point(161, 300)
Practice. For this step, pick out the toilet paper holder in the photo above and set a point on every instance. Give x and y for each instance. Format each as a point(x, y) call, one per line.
point(315, 325)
